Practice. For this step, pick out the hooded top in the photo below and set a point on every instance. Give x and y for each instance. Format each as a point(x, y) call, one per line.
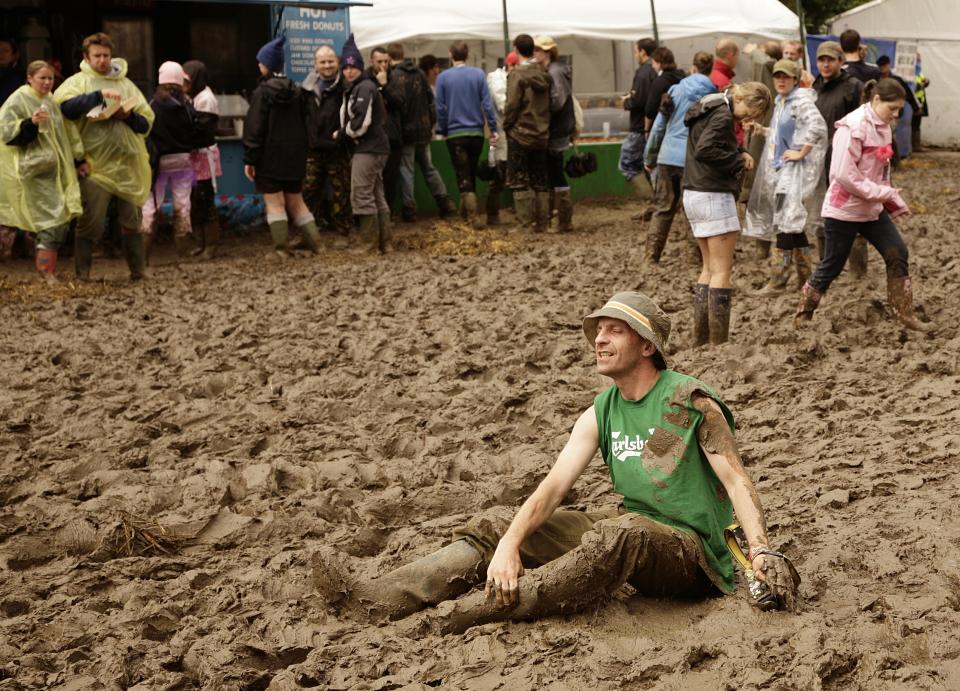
point(713, 161)
point(38, 180)
point(563, 120)
point(173, 129)
point(115, 149)
point(409, 89)
point(660, 86)
point(667, 143)
point(526, 117)
point(274, 133)
point(363, 118)
point(835, 98)
point(860, 187)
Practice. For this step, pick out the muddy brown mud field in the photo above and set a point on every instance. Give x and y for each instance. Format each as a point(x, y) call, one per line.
point(172, 453)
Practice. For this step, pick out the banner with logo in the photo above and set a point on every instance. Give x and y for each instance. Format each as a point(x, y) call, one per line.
point(306, 30)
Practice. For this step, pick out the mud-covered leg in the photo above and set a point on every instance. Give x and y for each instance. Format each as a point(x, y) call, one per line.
point(440, 575)
point(612, 553)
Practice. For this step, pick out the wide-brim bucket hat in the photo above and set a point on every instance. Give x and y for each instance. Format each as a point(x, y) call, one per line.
point(641, 313)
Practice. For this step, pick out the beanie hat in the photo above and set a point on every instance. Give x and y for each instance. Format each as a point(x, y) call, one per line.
point(350, 55)
point(271, 55)
point(171, 73)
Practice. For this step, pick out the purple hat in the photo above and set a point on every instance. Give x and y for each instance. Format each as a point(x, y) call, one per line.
point(350, 55)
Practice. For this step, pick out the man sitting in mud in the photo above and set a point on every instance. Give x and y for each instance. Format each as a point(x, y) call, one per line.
point(668, 442)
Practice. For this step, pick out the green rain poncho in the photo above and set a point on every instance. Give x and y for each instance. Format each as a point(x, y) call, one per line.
point(117, 155)
point(38, 182)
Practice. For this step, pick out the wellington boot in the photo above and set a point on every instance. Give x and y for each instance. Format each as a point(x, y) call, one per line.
point(134, 251)
point(809, 301)
point(368, 234)
point(441, 575)
point(564, 211)
point(900, 296)
point(445, 206)
point(46, 263)
point(280, 234)
point(147, 247)
point(644, 191)
point(468, 204)
point(8, 237)
point(493, 209)
point(385, 228)
point(803, 260)
point(182, 243)
point(82, 258)
point(541, 212)
point(657, 233)
point(311, 236)
point(701, 314)
point(642, 187)
point(857, 262)
point(719, 300)
point(211, 240)
point(781, 264)
point(523, 207)
point(761, 248)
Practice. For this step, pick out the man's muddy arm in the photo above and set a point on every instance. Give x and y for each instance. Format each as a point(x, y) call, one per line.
point(506, 568)
point(720, 447)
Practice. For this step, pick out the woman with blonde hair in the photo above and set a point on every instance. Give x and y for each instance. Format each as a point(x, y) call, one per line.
point(39, 160)
point(711, 183)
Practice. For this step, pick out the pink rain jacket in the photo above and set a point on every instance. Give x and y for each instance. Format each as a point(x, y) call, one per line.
point(860, 170)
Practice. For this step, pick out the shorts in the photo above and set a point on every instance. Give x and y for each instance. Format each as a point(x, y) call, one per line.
point(267, 185)
point(711, 213)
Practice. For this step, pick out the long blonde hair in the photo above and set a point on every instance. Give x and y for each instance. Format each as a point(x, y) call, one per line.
point(755, 96)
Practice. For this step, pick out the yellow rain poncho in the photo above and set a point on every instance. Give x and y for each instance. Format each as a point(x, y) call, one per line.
point(117, 155)
point(38, 182)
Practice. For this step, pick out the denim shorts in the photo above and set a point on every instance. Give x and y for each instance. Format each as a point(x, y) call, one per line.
point(711, 213)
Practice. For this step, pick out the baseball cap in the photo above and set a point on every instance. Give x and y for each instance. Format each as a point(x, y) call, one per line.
point(830, 49)
point(787, 67)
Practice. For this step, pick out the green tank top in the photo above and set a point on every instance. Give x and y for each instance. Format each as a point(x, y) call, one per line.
point(650, 447)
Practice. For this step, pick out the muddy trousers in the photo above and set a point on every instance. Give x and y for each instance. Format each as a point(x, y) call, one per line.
point(96, 201)
point(577, 560)
point(840, 236)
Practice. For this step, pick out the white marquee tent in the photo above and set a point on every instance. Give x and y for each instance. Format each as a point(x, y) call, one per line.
point(935, 26)
point(597, 36)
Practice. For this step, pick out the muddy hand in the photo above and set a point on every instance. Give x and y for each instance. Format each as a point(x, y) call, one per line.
point(780, 576)
point(503, 576)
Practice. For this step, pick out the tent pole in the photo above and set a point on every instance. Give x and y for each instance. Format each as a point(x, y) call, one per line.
point(653, 14)
point(803, 33)
point(506, 31)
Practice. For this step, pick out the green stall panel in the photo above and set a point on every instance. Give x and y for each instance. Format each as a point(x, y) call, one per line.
point(607, 181)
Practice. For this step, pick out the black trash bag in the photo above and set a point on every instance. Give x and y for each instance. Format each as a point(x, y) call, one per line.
point(580, 164)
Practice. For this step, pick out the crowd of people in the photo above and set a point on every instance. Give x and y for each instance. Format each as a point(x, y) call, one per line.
point(809, 158)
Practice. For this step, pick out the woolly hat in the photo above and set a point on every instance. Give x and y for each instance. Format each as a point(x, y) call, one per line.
point(271, 55)
point(350, 55)
point(171, 73)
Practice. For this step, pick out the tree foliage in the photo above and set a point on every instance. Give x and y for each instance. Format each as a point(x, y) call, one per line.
point(817, 12)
